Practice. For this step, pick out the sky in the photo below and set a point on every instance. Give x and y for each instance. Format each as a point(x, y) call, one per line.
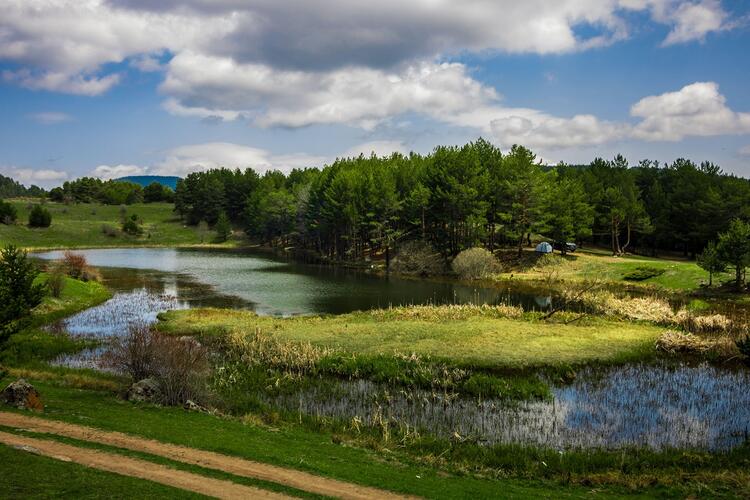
point(126, 87)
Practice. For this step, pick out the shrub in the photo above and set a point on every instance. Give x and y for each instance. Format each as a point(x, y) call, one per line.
point(75, 264)
point(131, 226)
point(475, 263)
point(223, 228)
point(8, 213)
point(179, 365)
point(418, 258)
point(39, 217)
point(56, 281)
point(642, 273)
point(18, 292)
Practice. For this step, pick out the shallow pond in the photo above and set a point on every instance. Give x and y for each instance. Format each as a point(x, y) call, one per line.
point(631, 406)
point(270, 286)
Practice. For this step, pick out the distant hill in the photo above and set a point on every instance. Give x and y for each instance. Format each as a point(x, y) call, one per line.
point(145, 180)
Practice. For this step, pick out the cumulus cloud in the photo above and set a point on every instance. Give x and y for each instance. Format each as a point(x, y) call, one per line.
point(196, 157)
point(40, 177)
point(219, 87)
point(107, 172)
point(50, 117)
point(698, 109)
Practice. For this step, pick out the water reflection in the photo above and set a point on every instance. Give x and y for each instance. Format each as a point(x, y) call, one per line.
point(275, 287)
point(632, 406)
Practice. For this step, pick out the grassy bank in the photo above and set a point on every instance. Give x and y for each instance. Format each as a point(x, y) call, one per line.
point(592, 265)
point(81, 225)
point(473, 339)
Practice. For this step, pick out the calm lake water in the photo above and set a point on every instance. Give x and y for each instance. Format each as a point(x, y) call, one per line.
point(271, 286)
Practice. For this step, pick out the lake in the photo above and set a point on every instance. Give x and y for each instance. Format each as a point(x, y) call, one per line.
point(273, 286)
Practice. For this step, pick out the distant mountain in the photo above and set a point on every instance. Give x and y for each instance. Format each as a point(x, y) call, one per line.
point(145, 180)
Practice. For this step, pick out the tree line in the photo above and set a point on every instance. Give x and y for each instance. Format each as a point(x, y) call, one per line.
point(473, 195)
point(10, 188)
point(111, 192)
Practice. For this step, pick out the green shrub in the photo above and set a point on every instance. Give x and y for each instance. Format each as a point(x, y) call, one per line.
point(475, 263)
point(642, 273)
point(56, 281)
point(8, 214)
point(131, 226)
point(39, 217)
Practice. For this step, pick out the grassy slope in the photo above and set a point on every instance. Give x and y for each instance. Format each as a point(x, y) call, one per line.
point(679, 275)
point(477, 340)
point(33, 344)
point(25, 475)
point(289, 446)
point(78, 226)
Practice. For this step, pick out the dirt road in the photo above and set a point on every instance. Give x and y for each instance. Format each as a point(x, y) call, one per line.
point(238, 466)
point(119, 464)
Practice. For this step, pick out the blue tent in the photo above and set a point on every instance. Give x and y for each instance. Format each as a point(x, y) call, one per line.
point(544, 247)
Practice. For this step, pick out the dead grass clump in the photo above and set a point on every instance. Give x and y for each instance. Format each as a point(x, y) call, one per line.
point(640, 308)
point(447, 312)
point(294, 359)
point(675, 342)
point(714, 323)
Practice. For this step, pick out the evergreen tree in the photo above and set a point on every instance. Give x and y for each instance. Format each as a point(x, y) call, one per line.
point(18, 292)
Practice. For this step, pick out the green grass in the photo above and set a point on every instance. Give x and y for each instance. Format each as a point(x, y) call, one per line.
point(477, 341)
point(80, 226)
point(25, 475)
point(33, 344)
point(288, 446)
point(677, 275)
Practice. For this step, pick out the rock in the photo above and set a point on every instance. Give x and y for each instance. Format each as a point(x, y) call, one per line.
point(144, 391)
point(23, 396)
point(191, 405)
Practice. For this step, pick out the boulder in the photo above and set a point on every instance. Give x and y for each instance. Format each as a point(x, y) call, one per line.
point(191, 405)
point(144, 391)
point(23, 396)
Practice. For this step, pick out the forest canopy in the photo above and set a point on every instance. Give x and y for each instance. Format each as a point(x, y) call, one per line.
point(473, 195)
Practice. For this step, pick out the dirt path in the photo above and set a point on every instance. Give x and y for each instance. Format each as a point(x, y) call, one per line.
point(208, 459)
point(113, 462)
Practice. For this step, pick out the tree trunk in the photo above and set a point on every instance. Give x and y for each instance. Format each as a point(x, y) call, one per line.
point(628, 240)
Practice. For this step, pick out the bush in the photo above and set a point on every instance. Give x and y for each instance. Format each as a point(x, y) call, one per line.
point(178, 364)
point(418, 258)
point(18, 292)
point(475, 263)
point(56, 281)
point(223, 228)
point(642, 273)
point(75, 264)
point(131, 226)
point(8, 214)
point(39, 217)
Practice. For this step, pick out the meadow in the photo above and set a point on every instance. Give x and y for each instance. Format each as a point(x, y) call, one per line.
point(92, 225)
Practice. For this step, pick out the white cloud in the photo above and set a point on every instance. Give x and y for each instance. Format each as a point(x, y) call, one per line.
point(40, 177)
point(379, 148)
point(64, 45)
point(107, 172)
point(219, 87)
point(50, 117)
point(694, 110)
point(62, 81)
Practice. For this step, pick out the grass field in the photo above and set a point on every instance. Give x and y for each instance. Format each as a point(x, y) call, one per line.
point(474, 340)
point(678, 275)
point(79, 226)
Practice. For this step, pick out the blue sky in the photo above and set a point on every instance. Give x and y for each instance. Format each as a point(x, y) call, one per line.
point(110, 88)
